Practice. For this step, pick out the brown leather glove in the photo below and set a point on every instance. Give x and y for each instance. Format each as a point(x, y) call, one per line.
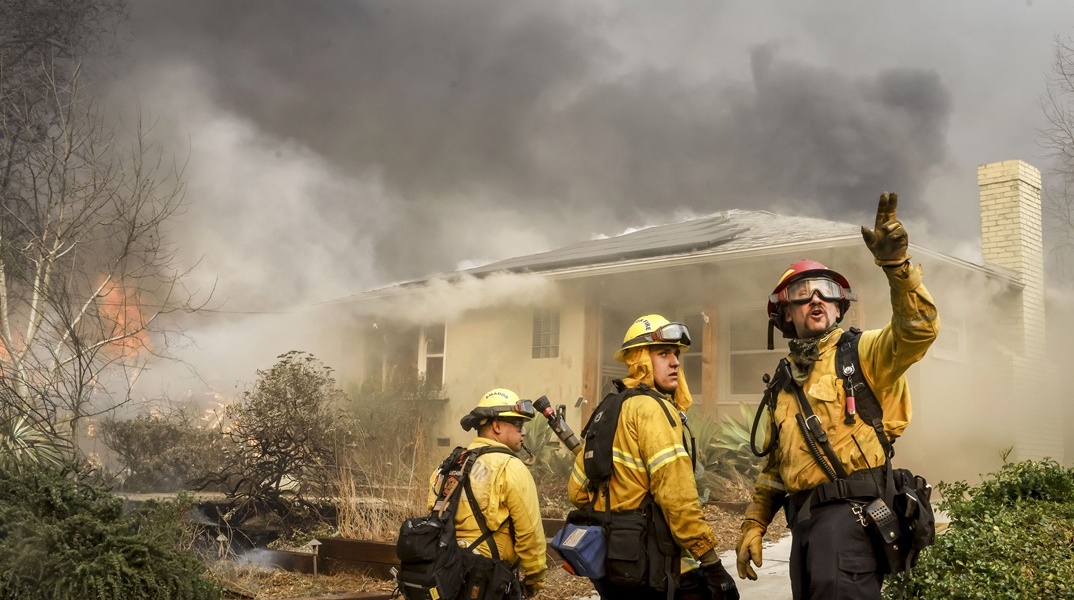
point(888, 241)
point(749, 548)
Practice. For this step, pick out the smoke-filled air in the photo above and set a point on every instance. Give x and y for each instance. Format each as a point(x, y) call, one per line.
point(335, 147)
point(332, 147)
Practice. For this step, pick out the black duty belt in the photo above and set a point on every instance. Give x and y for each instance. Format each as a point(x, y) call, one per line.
point(866, 483)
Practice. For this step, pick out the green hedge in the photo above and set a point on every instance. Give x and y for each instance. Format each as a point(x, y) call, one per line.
point(64, 539)
point(1011, 537)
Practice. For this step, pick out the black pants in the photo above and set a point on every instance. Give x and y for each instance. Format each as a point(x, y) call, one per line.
point(832, 556)
point(691, 587)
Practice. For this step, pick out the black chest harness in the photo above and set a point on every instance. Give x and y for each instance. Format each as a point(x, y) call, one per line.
point(860, 402)
point(894, 504)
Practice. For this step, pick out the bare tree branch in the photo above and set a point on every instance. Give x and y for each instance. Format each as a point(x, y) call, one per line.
point(87, 271)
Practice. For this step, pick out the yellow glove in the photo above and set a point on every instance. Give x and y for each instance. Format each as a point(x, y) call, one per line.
point(888, 241)
point(749, 548)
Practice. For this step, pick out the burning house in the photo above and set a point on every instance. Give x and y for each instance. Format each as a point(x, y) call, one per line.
point(548, 323)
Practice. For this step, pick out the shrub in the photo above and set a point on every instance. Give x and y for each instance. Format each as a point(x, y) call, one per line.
point(1010, 537)
point(393, 415)
point(382, 479)
point(285, 436)
point(163, 452)
point(25, 445)
point(64, 539)
point(723, 451)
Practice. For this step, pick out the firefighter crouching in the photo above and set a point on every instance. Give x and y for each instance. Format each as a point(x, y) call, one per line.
point(832, 555)
point(651, 478)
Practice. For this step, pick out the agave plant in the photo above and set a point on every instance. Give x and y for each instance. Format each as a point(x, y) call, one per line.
point(734, 438)
point(22, 444)
point(725, 463)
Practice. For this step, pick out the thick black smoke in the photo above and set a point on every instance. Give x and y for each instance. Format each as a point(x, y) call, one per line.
point(496, 128)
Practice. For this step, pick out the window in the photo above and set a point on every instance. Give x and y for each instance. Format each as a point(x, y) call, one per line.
point(749, 358)
point(545, 333)
point(431, 354)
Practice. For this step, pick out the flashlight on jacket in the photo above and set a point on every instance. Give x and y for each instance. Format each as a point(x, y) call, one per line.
point(558, 423)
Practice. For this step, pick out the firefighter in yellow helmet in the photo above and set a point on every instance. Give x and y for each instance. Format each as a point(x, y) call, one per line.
point(651, 474)
point(832, 555)
point(503, 489)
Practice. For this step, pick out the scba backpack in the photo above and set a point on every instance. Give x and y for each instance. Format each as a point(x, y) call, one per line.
point(432, 564)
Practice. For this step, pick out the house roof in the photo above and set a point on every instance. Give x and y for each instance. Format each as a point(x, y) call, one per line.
point(721, 232)
point(675, 238)
point(728, 232)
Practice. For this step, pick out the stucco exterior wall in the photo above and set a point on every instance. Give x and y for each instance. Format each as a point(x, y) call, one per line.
point(493, 348)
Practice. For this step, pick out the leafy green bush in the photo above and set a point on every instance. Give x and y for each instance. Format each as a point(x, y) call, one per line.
point(1011, 537)
point(63, 539)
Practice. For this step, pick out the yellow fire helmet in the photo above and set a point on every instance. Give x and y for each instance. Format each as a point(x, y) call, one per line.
point(499, 403)
point(652, 330)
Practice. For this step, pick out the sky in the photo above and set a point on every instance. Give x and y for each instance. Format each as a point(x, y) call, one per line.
point(334, 146)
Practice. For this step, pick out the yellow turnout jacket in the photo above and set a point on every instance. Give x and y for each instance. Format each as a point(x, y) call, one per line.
point(649, 456)
point(885, 355)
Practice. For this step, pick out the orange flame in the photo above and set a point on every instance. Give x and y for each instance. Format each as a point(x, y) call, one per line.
point(121, 318)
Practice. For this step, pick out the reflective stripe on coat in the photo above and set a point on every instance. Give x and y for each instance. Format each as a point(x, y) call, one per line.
point(648, 456)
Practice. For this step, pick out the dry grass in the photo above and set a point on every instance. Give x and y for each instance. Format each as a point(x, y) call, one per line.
point(259, 583)
point(375, 495)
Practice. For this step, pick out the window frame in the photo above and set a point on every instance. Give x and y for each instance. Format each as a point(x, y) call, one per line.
point(546, 322)
point(424, 355)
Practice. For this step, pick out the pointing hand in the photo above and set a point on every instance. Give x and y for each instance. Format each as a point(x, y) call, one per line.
point(888, 241)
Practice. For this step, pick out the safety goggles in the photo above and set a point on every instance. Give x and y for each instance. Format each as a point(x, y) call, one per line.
point(801, 291)
point(518, 423)
point(672, 333)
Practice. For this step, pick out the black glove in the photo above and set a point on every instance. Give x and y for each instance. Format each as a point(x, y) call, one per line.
point(720, 583)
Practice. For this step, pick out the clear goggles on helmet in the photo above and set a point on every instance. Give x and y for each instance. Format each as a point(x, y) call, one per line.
point(801, 291)
point(672, 333)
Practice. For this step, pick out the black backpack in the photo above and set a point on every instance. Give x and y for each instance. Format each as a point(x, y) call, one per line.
point(432, 564)
point(599, 432)
point(640, 549)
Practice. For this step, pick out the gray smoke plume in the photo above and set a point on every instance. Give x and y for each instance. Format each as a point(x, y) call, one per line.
point(337, 146)
point(425, 134)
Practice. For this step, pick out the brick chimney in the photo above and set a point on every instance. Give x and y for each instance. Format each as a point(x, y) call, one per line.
point(1011, 237)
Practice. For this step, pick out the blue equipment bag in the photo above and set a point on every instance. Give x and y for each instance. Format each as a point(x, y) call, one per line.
point(583, 548)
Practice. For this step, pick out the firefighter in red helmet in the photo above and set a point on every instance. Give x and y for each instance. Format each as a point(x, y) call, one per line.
point(833, 556)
